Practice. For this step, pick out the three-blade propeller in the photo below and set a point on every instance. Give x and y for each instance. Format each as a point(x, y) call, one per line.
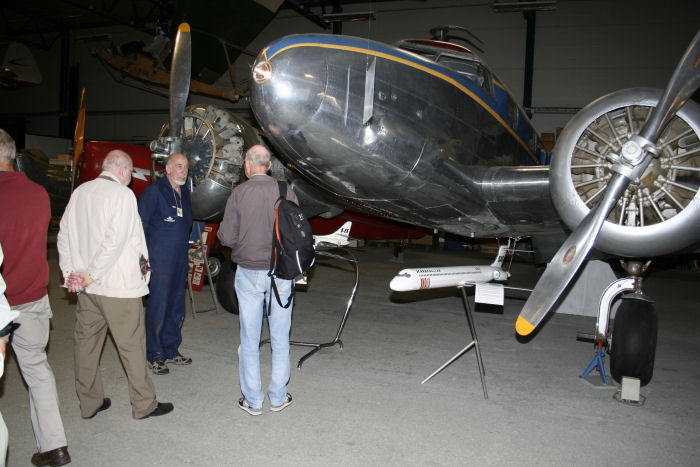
point(635, 156)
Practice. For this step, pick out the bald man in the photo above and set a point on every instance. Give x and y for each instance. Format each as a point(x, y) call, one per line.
point(166, 214)
point(103, 254)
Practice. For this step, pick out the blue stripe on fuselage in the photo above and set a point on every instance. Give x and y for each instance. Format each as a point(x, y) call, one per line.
point(498, 106)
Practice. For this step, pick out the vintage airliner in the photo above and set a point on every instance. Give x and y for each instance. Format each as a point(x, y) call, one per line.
point(424, 132)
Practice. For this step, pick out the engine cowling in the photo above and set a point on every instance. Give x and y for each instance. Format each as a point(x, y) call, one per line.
point(657, 214)
point(214, 141)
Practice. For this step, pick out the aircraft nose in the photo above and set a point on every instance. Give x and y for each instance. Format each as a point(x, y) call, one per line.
point(402, 282)
point(286, 95)
point(397, 284)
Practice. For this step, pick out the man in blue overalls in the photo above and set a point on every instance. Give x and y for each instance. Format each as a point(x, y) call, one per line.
point(166, 214)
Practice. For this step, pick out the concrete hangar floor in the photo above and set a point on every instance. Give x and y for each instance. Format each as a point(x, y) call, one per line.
point(364, 404)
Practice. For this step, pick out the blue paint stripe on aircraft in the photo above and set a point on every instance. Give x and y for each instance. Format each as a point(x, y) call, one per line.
point(497, 105)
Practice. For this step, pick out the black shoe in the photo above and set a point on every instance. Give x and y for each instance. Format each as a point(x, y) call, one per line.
point(58, 456)
point(161, 409)
point(106, 403)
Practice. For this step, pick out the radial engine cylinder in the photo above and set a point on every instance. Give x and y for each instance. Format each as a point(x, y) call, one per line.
point(214, 141)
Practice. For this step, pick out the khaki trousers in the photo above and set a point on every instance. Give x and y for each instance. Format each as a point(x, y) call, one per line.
point(29, 344)
point(125, 319)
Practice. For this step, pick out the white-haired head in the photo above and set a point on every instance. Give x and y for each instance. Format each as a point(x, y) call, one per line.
point(7, 147)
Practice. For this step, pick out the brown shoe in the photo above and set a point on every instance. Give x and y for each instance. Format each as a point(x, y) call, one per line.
point(179, 360)
point(58, 456)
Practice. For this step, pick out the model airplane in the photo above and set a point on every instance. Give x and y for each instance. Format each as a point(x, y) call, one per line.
point(336, 239)
point(454, 276)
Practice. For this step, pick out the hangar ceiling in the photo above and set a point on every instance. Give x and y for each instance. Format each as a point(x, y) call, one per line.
point(39, 23)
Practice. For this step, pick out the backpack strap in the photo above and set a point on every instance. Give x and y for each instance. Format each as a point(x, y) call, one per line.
point(277, 295)
point(282, 186)
point(283, 189)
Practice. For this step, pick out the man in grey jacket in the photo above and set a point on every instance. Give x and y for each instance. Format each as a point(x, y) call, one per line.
point(247, 226)
point(102, 253)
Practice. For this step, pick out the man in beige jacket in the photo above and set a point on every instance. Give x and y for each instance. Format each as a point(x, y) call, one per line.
point(102, 253)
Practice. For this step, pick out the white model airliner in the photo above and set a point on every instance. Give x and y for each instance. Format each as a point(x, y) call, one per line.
point(453, 276)
point(335, 239)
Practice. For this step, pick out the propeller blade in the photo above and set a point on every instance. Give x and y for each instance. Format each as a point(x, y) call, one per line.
point(636, 156)
point(684, 82)
point(568, 259)
point(180, 78)
point(78, 138)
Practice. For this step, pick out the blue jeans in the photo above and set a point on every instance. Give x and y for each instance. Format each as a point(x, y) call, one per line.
point(253, 290)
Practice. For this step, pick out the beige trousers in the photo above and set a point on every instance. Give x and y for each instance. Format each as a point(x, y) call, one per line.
point(125, 319)
point(29, 345)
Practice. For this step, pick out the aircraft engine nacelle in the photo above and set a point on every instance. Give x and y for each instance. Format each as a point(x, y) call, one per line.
point(214, 141)
point(499, 275)
point(660, 212)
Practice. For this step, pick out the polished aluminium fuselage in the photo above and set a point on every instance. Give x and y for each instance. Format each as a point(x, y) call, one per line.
point(398, 134)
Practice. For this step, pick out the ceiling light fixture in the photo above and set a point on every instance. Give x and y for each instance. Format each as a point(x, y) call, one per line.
point(343, 17)
point(542, 5)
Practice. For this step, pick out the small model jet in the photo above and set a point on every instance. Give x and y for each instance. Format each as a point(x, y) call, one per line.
point(335, 239)
point(455, 276)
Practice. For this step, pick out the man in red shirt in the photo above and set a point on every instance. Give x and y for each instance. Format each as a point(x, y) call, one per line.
point(25, 213)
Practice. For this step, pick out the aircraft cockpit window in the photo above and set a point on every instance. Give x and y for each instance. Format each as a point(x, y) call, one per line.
point(469, 68)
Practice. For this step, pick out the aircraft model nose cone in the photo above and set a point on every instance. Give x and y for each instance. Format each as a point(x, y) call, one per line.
point(401, 282)
point(396, 284)
point(287, 90)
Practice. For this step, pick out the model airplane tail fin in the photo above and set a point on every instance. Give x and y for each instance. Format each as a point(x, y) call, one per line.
point(337, 238)
point(502, 250)
point(344, 231)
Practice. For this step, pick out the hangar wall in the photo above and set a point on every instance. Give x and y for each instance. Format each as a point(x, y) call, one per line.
point(583, 49)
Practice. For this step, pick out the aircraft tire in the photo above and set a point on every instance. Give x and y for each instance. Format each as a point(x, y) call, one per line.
point(225, 287)
point(633, 345)
point(216, 260)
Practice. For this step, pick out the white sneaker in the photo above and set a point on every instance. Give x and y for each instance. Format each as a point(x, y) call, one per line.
point(243, 405)
point(287, 402)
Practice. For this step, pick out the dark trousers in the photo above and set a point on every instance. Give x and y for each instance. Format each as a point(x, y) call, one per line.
point(165, 307)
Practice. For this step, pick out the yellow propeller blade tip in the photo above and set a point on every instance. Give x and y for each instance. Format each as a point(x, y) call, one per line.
point(523, 326)
point(184, 27)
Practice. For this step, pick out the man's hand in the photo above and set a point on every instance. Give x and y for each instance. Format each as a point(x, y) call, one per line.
point(78, 281)
point(3, 344)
